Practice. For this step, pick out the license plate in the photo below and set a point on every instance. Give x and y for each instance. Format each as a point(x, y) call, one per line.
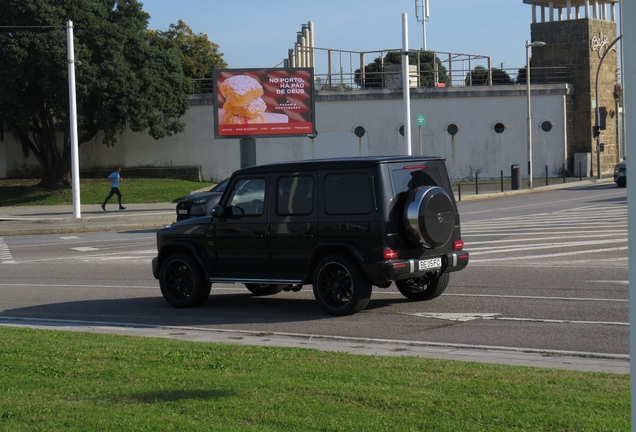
point(182, 212)
point(429, 264)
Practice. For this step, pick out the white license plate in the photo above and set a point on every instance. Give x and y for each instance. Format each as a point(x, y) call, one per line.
point(182, 211)
point(429, 264)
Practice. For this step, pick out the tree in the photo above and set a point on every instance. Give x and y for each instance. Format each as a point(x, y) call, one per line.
point(374, 72)
point(122, 81)
point(479, 76)
point(199, 56)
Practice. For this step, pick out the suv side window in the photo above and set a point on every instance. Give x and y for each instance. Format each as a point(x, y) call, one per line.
point(295, 195)
point(247, 197)
point(348, 194)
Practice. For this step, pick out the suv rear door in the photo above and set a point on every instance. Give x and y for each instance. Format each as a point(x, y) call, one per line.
point(293, 222)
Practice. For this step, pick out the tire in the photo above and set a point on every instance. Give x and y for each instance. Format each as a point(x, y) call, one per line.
point(264, 289)
point(182, 281)
point(419, 289)
point(429, 217)
point(340, 287)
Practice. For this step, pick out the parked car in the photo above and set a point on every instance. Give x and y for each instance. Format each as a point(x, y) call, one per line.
point(620, 173)
point(341, 225)
point(200, 204)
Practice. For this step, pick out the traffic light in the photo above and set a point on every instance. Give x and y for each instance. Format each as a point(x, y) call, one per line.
point(596, 131)
point(602, 147)
point(602, 117)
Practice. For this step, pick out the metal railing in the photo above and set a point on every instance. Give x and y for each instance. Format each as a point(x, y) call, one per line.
point(354, 70)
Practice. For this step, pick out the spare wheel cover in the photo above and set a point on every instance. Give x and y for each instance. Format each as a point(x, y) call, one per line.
point(430, 216)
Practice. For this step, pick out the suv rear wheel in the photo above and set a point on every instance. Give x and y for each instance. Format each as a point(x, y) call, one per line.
point(339, 286)
point(182, 281)
point(419, 289)
point(264, 289)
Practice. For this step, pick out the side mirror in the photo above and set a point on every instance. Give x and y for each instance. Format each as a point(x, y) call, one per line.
point(217, 211)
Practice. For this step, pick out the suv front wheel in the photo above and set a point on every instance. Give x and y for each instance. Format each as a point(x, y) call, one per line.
point(340, 287)
point(182, 281)
point(419, 289)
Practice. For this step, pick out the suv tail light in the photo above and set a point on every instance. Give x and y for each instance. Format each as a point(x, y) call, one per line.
point(391, 254)
point(458, 245)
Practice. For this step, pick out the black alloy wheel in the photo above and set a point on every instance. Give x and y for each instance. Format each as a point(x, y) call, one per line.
point(418, 289)
point(340, 287)
point(182, 281)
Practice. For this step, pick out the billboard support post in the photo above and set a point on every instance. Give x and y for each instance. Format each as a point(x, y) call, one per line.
point(248, 152)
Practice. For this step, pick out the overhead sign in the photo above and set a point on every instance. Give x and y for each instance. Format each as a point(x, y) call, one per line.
point(264, 102)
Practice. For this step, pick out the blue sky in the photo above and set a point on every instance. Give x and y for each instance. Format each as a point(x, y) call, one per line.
point(258, 34)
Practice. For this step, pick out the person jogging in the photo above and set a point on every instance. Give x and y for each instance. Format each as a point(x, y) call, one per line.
point(114, 179)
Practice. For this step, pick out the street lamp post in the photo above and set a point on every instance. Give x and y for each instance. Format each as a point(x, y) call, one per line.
point(528, 46)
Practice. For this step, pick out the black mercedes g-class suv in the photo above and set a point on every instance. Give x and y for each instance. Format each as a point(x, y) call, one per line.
point(342, 225)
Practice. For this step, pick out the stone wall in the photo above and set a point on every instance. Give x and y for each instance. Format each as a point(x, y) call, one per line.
point(579, 45)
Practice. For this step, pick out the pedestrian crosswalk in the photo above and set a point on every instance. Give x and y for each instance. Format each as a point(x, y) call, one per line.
point(590, 235)
point(5, 253)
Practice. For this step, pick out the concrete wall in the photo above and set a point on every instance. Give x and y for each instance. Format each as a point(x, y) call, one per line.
point(476, 148)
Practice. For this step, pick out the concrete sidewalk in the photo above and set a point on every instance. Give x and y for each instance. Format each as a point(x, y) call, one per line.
point(58, 219)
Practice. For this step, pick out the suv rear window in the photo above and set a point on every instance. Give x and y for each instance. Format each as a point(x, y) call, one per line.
point(348, 194)
point(407, 177)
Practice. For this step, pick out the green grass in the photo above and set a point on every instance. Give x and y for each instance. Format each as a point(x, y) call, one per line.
point(94, 191)
point(54, 380)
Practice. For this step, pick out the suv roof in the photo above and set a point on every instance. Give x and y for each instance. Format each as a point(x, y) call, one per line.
point(337, 163)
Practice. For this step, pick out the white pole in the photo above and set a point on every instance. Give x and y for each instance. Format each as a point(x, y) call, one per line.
point(405, 83)
point(528, 45)
point(628, 14)
point(77, 213)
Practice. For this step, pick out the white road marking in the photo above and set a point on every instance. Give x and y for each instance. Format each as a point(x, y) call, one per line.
point(516, 258)
point(69, 237)
point(5, 253)
point(84, 249)
point(464, 317)
point(461, 317)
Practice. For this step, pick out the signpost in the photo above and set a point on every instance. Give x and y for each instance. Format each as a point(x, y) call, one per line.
point(421, 121)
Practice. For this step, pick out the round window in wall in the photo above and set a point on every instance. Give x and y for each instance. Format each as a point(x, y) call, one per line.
point(499, 128)
point(452, 129)
point(546, 126)
point(401, 130)
point(359, 131)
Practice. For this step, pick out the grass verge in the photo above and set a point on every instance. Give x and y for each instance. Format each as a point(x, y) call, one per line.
point(53, 380)
point(94, 191)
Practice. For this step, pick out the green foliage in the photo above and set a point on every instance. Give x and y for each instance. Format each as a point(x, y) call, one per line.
point(374, 72)
point(479, 76)
point(71, 381)
point(122, 81)
point(199, 56)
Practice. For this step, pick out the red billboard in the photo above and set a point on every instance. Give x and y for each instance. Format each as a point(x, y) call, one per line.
point(263, 102)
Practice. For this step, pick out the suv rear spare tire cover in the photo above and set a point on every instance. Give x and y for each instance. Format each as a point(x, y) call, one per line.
point(429, 216)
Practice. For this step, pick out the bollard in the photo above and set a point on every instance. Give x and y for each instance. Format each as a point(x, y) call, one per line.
point(476, 184)
point(546, 175)
point(515, 177)
point(580, 172)
point(563, 171)
point(459, 191)
point(502, 180)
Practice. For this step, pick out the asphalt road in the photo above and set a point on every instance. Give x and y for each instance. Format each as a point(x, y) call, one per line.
point(548, 273)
